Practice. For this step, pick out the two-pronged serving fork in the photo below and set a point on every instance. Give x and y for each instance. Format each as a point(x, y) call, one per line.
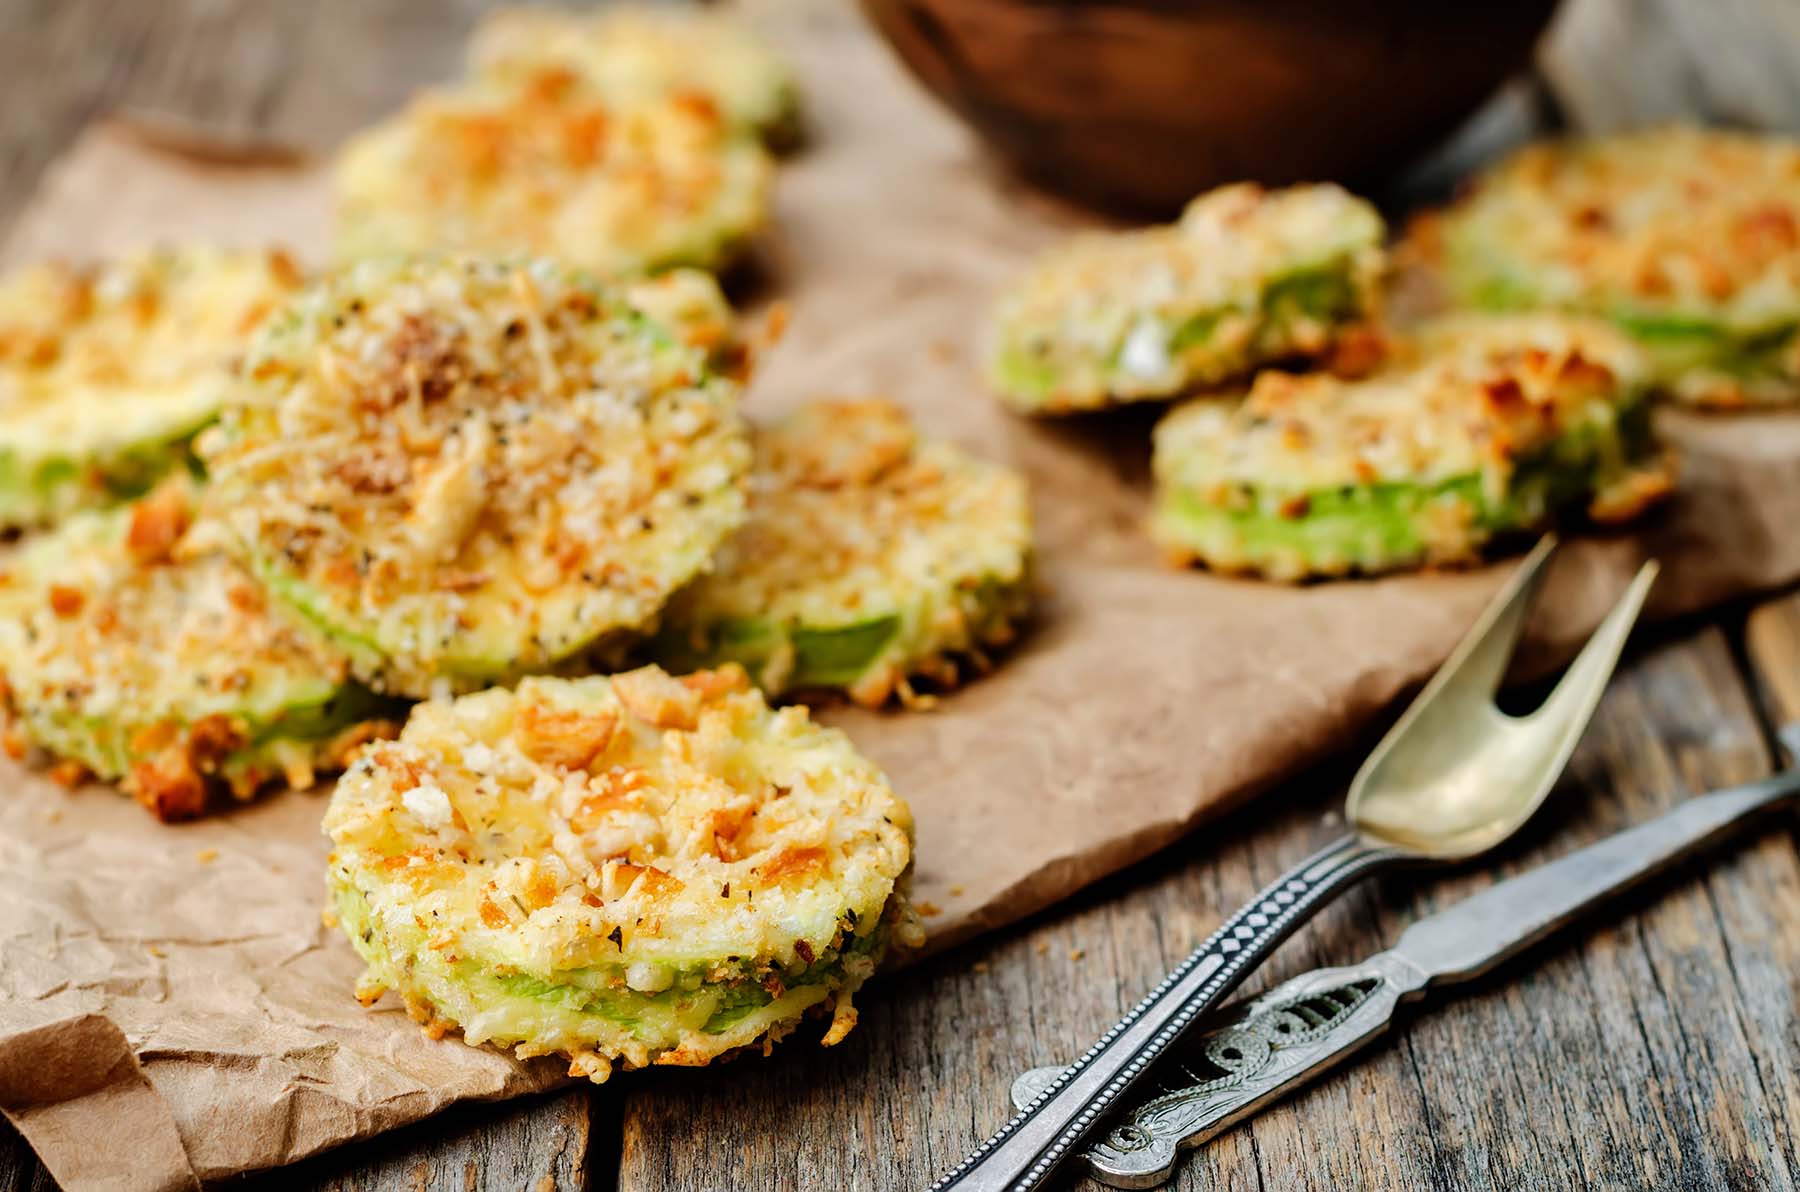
point(1453, 778)
point(1252, 1053)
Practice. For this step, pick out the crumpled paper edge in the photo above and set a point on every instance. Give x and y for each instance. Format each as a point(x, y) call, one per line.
point(56, 1076)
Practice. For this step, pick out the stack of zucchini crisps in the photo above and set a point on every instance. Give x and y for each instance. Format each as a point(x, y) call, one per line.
point(1316, 437)
point(472, 516)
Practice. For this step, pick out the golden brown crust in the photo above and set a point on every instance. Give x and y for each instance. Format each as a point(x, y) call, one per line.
point(547, 167)
point(468, 470)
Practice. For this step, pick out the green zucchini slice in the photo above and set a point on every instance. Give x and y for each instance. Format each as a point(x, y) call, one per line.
point(1688, 239)
point(466, 470)
point(870, 557)
point(632, 54)
point(623, 871)
point(549, 171)
point(1247, 277)
point(1479, 427)
point(107, 371)
point(134, 654)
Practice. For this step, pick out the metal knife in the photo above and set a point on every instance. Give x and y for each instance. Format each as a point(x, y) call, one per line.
point(1264, 1047)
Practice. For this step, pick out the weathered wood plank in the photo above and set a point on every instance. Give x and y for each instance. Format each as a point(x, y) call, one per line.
point(540, 1144)
point(1657, 1049)
point(19, 1169)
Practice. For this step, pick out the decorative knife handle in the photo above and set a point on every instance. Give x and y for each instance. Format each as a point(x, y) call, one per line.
point(1250, 1055)
point(1025, 1151)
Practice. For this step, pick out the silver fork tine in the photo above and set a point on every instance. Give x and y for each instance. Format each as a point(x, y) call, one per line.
point(1479, 662)
point(1576, 695)
point(1464, 686)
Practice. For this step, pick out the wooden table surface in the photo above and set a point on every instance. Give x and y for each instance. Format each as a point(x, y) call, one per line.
point(1660, 1048)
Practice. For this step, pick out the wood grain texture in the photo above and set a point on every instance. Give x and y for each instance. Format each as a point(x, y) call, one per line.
point(539, 1144)
point(1659, 1049)
point(1656, 1049)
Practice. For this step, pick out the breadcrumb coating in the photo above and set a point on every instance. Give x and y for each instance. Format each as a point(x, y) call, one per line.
point(466, 470)
point(633, 54)
point(107, 370)
point(870, 556)
point(138, 655)
point(628, 870)
point(1247, 277)
point(1688, 238)
point(545, 168)
point(1479, 425)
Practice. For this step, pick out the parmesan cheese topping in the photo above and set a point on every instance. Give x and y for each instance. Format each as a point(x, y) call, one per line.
point(1678, 220)
point(106, 370)
point(854, 518)
point(546, 168)
point(608, 838)
point(628, 54)
point(1148, 313)
point(467, 470)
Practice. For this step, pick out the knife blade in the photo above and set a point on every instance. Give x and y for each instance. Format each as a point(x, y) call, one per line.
point(1259, 1049)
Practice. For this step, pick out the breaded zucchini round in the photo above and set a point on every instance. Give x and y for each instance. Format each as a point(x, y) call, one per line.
point(1484, 425)
point(133, 654)
point(1687, 239)
point(694, 311)
point(1247, 277)
point(628, 54)
point(870, 556)
point(466, 470)
point(107, 371)
point(635, 870)
point(548, 170)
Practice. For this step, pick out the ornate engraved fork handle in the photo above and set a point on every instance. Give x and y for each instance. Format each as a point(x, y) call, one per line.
point(1028, 1148)
point(1248, 1057)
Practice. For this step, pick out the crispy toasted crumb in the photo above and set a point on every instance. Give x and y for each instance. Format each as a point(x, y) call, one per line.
point(554, 737)
point(157, 523)
point(168, 784)
point(549, 448)
point(106, 370)
point(672, 896)
point(550, 169)
point(1247, 277)
point(69, 774)
point(843, 1021)
point(658, 698)
point(870, 557)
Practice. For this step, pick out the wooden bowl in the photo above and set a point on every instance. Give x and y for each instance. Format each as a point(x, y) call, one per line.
point(1138, 105)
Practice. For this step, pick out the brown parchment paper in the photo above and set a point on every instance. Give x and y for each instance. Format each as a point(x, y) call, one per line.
point(171, 1009)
